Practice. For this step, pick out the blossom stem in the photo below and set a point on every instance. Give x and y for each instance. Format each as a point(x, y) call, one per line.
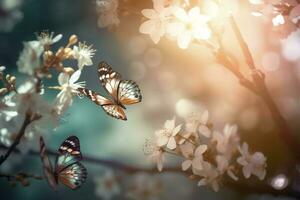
point(172, 152)
point(188, 139)
point(28, 119)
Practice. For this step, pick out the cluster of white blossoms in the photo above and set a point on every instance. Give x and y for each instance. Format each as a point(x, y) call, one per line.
point(171, 19)
point(285, 14)
point(108, 13)
point(38, 60)
point(208, 155)
point(139, 186)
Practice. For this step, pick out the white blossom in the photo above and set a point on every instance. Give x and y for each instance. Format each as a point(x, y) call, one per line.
point(189, 26)
point(194, 156)
point(158, 19)
point(107, 185)
point(83, 54)
point(108, 13)
point(252, 163)
point(143, 186)
point(227, 141)
point(68, 86)
point(47, 39)
point(210, 176)
point(29, 58)
point(166, 136)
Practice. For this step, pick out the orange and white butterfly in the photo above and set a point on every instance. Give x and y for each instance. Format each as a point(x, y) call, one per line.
point(122, 92)
point(68, 170)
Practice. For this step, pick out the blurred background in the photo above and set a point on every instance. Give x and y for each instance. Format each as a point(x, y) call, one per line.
point(172, 81)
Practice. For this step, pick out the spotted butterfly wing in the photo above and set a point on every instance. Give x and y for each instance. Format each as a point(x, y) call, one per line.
point(47, 167)
point(73, 175)
point(109, 106)
point(129, 92)
point(109, 79)
point(68, 169)
point(69, 152)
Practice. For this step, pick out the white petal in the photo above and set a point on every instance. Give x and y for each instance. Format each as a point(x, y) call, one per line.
point(172, 143)
point(200, 150)
point(184, 39)
point(75, 76)
point(162, 141)
point(57, 38)
point(148, 27)
point(149, 13)
point(204, 130)
point(197, 163)
point(204, 117)
point(63, 78)
point(186, 165)
point(180, 13)
point(170, 124)
point(202, 182)
point(247, 171)
point(194, 13)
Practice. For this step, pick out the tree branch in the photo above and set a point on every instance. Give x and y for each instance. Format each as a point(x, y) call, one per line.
point(29, 117)
point(240, 186)
point(258, 86)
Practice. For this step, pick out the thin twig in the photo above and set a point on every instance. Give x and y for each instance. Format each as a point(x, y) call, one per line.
point(28, 119)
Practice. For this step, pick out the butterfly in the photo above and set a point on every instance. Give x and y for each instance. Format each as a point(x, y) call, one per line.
point(68, 170)
point(122, 92)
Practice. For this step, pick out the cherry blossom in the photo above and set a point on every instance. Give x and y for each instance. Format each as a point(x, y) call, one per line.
point(252, 163)
point(158, 20)
point(190, 25)
point(107, 185)
point(68, 86)
point(83, 54)
point(166, 136)
point(194, 156)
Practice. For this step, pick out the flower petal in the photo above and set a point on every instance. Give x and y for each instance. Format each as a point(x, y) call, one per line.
point(75, 76)
point(149, 13)
point(200, 150)
point(63, 78)
point(172, 143)
point(186, 165)
point(184, 39)
point(147, 27)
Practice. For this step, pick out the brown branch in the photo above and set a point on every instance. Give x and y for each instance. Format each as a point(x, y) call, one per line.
point(29, 117)
point(240, 186)
point(258, 86)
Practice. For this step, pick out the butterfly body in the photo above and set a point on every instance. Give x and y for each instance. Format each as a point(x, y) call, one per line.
point(122, 92)
point(68, 169)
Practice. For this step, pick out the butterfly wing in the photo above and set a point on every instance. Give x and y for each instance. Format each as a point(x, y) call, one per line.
point(73, 175)
point(110, 107)
point(69, 152)
point(47, 167)
point(129, 92)
point(95, 97)
point(115, 111)
point(109, 79)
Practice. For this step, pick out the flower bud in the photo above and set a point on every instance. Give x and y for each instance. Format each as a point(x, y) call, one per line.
point(73, 39)
point(68, 70)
